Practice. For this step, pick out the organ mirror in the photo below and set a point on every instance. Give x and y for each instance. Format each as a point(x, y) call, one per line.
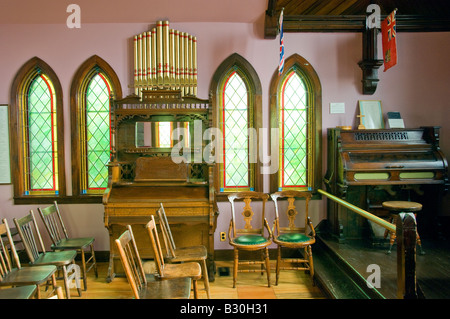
point(162, 134)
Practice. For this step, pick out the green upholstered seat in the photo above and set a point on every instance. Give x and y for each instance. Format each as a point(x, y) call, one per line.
point(250, 240)
point(293, 238)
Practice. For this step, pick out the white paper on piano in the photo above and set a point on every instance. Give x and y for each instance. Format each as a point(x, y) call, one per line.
point(395, 120)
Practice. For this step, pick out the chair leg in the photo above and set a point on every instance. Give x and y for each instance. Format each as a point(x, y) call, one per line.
point(235, 267)
point(66, 282)
point(266, 251)
point(205, 277)
point(83, 266)
point(311, 264)
point(195, 289)
point(277, 269)
point(94, 261)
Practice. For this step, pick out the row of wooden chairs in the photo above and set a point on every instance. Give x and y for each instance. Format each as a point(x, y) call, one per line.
point(44, 264)
point(175, 273)
point(249, 238)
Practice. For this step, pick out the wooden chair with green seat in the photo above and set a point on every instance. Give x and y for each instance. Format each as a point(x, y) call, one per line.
point(54, 224)
point(170, 271)
point(21, 276)
point(249, 238)
point(183, 254)
point(144, 286)
point(30, 235)
point(292, 236)
point(22, 292)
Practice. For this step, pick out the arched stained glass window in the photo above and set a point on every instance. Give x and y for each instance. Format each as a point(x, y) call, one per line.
point(237, 114)
point(94, 83)
point(295, 110)
point(41, 148)
point(37, 134)
point(98, 134)
point(293, 116)
point(235, 118)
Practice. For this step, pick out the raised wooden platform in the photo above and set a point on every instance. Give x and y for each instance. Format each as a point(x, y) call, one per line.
point(342, 268)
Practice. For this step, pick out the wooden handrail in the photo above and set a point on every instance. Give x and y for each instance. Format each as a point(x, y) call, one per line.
point(362, 212)
point(407, 286)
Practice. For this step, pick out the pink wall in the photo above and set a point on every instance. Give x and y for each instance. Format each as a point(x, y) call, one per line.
point(417, 86)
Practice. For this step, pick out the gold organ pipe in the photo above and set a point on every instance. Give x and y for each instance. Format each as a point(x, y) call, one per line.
point(135, 60)
point(194, 65)
point(165, 51)
point(159, 53)
point(154, 62)
point(149, 59)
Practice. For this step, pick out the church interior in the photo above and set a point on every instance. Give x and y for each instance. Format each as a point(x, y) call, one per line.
point(268, 149)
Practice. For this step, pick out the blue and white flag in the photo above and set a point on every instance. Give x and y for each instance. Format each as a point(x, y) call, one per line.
point(281, 64)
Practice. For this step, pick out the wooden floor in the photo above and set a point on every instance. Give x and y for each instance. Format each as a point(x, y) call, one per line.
point(292, 285)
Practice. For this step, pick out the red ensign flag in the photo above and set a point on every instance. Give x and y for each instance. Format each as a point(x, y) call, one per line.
point(389, 41)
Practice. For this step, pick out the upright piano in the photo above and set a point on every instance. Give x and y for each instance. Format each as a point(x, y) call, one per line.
point(367, 167)
point(145, 171)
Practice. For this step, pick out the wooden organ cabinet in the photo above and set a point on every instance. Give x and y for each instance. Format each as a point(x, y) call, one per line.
point(143, 171)
point(367, 167)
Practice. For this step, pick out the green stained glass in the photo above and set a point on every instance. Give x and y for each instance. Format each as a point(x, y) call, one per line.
point(97, 132)
point(235, 126)
point(294, 127)
point(41, 121)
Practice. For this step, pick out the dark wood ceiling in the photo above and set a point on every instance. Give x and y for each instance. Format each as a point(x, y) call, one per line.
point(350, 15)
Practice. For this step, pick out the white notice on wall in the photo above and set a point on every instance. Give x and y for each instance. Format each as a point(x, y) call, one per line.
point(337, 108)
point(5, 171)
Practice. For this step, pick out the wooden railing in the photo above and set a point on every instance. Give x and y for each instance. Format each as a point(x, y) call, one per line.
point(405, 229)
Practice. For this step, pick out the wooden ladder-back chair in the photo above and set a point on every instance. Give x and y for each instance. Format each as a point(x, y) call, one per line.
point(170, 271)
point(292, 236)
point(249, 238)
point(183, 254)
point(21, 276)
point(28, 230)
point(144, 286)
point(54, 224)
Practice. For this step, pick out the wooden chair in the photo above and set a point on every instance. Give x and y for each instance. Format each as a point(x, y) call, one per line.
point(30, 235)
point(170, 271)
point(183, 254)
point(249, 238)
point(61, 241)
point(144, 286)
point(292, 236)
point(21, 276)
point(22, 292)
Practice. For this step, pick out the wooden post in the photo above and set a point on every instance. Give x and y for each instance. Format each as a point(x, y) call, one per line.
point(407, 287)
point(370, 62)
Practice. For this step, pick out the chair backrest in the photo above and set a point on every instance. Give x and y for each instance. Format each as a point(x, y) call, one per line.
point(131, 261)
point(248, 197)
point(169, 243)
point(291, 211)
point(29, 234)
point(156, 245)
point(53, 222)
point(6, 252)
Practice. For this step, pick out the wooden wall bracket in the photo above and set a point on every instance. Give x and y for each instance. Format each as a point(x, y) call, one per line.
point(370, 63)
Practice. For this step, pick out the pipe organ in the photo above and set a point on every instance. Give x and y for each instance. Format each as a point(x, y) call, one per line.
point(142, 172)
point(165, 58)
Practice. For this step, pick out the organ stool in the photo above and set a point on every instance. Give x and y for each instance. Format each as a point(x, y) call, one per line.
point(396, 207)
